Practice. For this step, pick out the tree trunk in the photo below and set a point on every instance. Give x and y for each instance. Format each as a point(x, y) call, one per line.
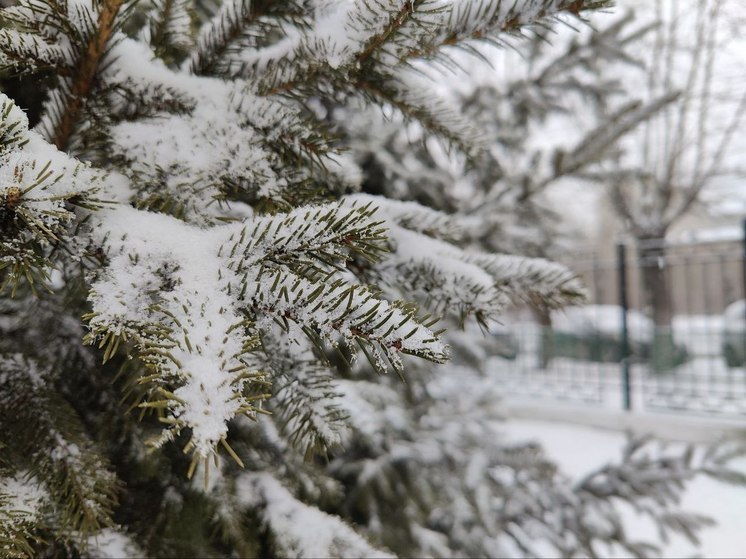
point(652, 254)
point(546, 348)
point(663, 354)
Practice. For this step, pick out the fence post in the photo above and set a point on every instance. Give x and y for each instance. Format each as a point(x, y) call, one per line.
point(622, 282)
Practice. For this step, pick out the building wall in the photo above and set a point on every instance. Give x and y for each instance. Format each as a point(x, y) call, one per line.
point(703, 262)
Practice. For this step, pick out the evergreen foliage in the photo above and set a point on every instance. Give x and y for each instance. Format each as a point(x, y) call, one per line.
point(185, 195)
point(549, 82)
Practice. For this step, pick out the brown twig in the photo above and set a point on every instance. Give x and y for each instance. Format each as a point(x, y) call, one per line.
point(85, 72)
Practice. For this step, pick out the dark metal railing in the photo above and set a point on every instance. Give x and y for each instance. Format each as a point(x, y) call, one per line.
point(677, 345)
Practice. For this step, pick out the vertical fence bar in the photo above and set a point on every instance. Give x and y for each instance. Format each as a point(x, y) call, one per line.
point(622, 282)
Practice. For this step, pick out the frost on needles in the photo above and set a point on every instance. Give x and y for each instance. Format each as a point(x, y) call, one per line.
point(183, 205)
point(191, 301)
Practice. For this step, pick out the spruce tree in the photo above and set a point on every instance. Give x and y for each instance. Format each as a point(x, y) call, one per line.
point(196, 298)
point(555, 79)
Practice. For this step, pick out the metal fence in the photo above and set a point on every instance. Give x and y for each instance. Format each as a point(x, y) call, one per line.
point(664, 329)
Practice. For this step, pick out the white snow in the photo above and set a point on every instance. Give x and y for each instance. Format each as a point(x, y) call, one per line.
point(26, 42)
point(25, 493)
point(451, 279)
point(727, 233)
point(147, 250)
point(44, 177)
point(113, 544)
point(602, 319)
point(300, 530)
point(194, 283)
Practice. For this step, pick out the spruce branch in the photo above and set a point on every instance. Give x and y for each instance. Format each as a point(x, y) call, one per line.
point(282, 514)
point(652, 481)
point(19, 514)
point(448, 279)
point(430, 26)
point(168, 30)
point(264, 152)
point(532, 278)
point(47, 440)
point(597, 142)
point(327, 235)
point(224, 279)
point(215, 36)
point(38, 189)
point(194, 350)
point(83, 76)
point(325, 310)
point(199, 370)
point(416, 217)
point(305, 398)
point(13, 126)
point(229, 26)
point(433, 114)
point(448, 286)
point(397, 21)
point(25, 53)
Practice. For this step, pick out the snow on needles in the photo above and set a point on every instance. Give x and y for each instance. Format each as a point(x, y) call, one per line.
point(451, 278)
point(183, 293)
point(166, 272)
point(25, 494)
point(300, 530)
point(193, 300)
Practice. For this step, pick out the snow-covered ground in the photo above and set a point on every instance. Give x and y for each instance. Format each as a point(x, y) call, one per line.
point(578, 391)
point(579, 449)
